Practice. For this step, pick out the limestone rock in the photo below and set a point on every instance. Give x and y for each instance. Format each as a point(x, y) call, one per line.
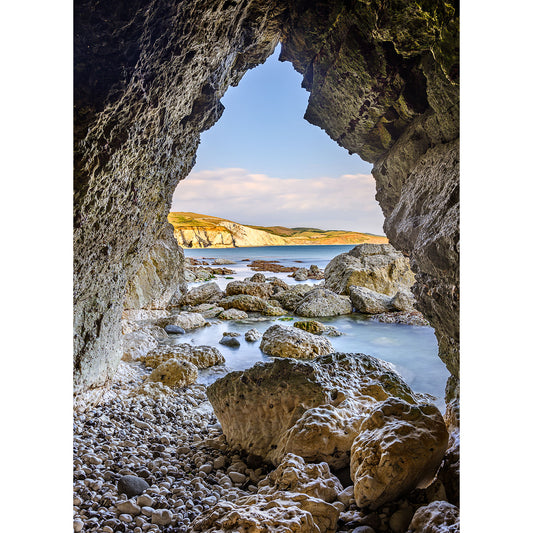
point(378, 267)
point(291, 297)
point(175, 373)
point(322, 302)
point(295, 475)
point(403, 300)
point(135, 315)
point(399, 447)
point(206, 293)
point(287, 341)
point(137, 344)
point(311, 326)
point(152, 389)
point(281, 512)
point(261, 290)
point(437, 517)
point(233, 314)
point(411, 318)
point(232, 342)
point(185, 320)
point(368, 301)
point(301, 274)
point(200, 356)
point(244, 302)
point(207, 310)
point(252, 335)
point(160, 275)
point(310, 408)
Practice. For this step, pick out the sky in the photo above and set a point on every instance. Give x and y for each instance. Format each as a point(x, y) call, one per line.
point(263, 164)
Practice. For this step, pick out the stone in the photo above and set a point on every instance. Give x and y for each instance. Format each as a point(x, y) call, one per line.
point(135, 315)
point(437, 517)
point(301, 274)
point(261, 290)
point(252, 335)
point(291, 297)
point(131, 486)
point(237, 477)
point(161, 517)
point(233, 314)
point(78, 525)
point(207, 310)
point(137, 344)
point(294, 475)
point(145, 501)
point(323, 302)
point(400, 520)
point(160, 276)
point(346, 496)
point(398, 448)
point(232, 342)
point(200, 356)
point(287, 341)
point(246, 302)
point(258, 277)
point(184, 320)
point(378, 267)
point(223, 261)
point(174, 330)
point(408, 318)
point(403, 300)
point(206, 293)
point(368, 301)
point(175, 373)
point(311, 326)
point(128, 507)
point(310, 408)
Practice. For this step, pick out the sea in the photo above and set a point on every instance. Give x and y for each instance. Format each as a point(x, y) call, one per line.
point(413, 350)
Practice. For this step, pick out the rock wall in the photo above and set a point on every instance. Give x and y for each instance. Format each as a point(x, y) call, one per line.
point(148, 78)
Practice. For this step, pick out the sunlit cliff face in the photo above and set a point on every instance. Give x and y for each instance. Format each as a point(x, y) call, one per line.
point(383, 83)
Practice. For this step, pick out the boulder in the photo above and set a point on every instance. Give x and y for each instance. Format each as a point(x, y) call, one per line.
point(200, 356)
point(258, 277)
point(288, 341)
point(310, 408)
point(144, 314)
point(301, 274)
point(295, 475)
point(403, 300)
point(261, 290)
point(323, 302)
point(246, 302)
point(174, 330)
point(378, 267)
point(207, 310)
point(208, 293)
point(252, 335)
point(399, 447)
point(232, 342)
point(291, 297)
point(233, 314)
point(311, 326)
point(137, 344)
point(437, 517)
point(187, 321)
point(411, 318)
point(315, 273)
point(175, 373)
point(160, 279)
point(368, 301)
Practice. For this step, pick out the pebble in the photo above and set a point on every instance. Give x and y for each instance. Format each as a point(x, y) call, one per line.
point(161, 517)
point(145, 501)
point(128, 507)
point(237, 477)
point(131, 485)
point(78, 525)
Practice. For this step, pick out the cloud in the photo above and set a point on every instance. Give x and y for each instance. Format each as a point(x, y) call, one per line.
point(344, 202)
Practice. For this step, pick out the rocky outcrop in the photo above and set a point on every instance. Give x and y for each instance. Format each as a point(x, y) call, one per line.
point(437, 517)
point(378, 267)
point(287, 341)
point(160, 279)
point(290, 298)
point(321, 302)
point(312, 409)
point(398, 448)
point(148, 80)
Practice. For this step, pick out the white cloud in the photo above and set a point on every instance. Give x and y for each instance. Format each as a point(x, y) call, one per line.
point(345, 202)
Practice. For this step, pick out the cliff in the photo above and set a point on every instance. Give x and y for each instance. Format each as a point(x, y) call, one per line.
point(203, 231)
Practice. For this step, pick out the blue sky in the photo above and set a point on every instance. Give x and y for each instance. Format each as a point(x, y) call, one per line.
point(263, 164)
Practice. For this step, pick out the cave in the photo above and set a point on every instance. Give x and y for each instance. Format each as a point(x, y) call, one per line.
point(383, 79)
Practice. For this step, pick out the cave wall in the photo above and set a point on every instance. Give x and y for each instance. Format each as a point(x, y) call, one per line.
point(148, 78)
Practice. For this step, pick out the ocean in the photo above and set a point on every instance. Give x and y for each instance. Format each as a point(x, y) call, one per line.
point(413, 350)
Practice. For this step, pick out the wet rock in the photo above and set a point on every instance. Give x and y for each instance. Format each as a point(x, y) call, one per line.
point(175, 373)
point(409, 318)
point(233, 314)
point(128, 507)
point(301, 274)
point(174, 330)
point(187, 321)
point(200, 356)
point(398, 448)
point(207, 310)
point(291, 297)
point(252, 335)
point(137, 344)
point(311, 326)
point(232, 342)
point(403, 300)
point(207, 293)
point(258, 277)
point(323, 302)
point(437, 517)
point(131, 486)
point(378, 267)
point(246, 302)
point(161, 517)
point(287, 341)
point(368, 301)
point(261, 290)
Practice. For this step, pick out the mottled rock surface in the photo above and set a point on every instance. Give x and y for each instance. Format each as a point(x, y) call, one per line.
point(437, 517)
point(175, 373)
point(323, 302)
point(137, 344)
point(200, 356)
point(148, 80)
point(261, 290)
point(368, 301)
point(399, 447)
point(184, 320)
point(287, 341)
point(207, 293)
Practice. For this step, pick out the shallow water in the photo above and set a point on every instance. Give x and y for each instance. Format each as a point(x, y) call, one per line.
point(413, 350)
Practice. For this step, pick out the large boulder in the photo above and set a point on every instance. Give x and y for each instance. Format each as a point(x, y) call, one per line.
point(437, 517)
point(310, 408)
point(261, 290)
point(160, 275)
point(323, 302)
point(207, 310)
point(137, 344)
point(375, 266)
point(288, 341)
point(368, 301)
point(187, 321)
point(290, 298)
point(175, 373)
point(246, 302)
point(207, 293)
point(399, 447)
point(200, 356)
